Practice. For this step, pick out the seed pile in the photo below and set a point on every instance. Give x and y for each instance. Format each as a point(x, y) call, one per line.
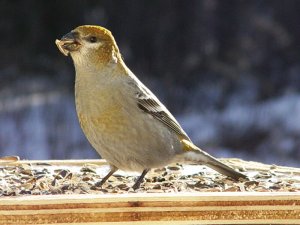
point(47, 179)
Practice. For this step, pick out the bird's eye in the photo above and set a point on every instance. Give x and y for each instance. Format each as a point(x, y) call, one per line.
point(92, 39)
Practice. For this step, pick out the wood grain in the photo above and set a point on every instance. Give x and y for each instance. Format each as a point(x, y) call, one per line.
point(189, 208)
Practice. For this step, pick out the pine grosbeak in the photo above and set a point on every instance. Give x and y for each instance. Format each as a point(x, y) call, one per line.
point(122, 119)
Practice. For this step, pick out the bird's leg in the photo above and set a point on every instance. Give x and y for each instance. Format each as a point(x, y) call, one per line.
point(111, 172)
point(140, 179)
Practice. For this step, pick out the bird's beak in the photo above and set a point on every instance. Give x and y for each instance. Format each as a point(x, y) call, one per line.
point(68, 43)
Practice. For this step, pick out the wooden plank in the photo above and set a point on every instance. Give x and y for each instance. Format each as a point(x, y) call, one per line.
point(179, 208)
point(257, 166)
point(74, 162)
point(236, 163)
point(150, 208)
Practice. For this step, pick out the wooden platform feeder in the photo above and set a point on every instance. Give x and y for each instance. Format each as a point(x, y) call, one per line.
point(64, 192)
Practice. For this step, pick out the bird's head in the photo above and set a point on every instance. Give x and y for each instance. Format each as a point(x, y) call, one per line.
point(89, 46)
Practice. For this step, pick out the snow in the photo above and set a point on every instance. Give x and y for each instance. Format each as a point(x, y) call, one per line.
point(43, 125)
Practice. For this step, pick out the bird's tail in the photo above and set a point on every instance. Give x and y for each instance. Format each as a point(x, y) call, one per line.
point(195, 154)
point(224, 169)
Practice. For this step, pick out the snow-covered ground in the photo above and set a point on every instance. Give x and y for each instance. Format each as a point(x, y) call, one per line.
point(42, 124)
point(270, 130)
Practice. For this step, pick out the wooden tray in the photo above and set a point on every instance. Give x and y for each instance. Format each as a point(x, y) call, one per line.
point(152, 208)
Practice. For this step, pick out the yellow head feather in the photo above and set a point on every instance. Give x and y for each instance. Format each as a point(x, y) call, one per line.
point(107, 51)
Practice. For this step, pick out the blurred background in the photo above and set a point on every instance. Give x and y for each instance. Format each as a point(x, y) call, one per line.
point(228, 70)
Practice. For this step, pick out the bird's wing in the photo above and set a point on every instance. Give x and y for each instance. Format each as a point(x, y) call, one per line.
point(151, 105)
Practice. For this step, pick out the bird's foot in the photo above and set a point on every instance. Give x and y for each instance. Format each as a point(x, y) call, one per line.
point(140, 179)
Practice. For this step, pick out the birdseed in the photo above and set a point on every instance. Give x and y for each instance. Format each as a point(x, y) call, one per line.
point(47, 179)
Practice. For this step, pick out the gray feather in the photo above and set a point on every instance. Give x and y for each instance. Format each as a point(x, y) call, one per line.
point(151, 105)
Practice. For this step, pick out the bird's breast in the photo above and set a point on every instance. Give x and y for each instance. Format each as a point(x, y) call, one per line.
point(99, 110)
point(108, 120)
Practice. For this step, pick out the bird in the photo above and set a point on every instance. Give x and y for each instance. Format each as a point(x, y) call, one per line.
point(121, 118)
